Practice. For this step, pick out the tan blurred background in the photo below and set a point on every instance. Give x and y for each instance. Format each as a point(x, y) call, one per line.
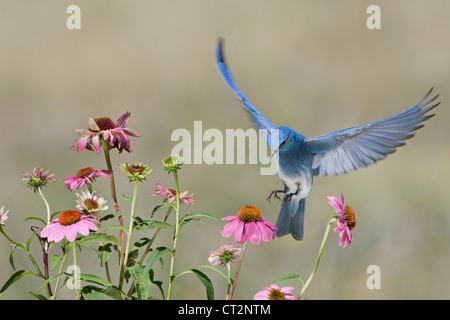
point(311, 65)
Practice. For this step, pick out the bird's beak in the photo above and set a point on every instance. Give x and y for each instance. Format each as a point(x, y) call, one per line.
point(273, 153)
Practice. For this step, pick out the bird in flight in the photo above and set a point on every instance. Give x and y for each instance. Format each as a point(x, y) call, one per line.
point(300, 158)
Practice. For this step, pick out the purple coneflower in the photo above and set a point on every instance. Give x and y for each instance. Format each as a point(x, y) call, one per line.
point(68, 225)
point(248, 224)
point(224, 255)
point(170, 195)
point(346, 219)
point(274, 292)
point(86, 175)
point(89, 202)
point(3, 215)
point(115, 134)
point(38, 179)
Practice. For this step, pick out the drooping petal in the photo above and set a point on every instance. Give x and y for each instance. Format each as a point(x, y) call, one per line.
point(123, 119)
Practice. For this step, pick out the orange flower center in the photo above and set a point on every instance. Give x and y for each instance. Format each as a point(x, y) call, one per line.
point(105, 123)
point(249, 214)
point(276, 294)
point(69, 217)
point(83, 173)
point(349, 215)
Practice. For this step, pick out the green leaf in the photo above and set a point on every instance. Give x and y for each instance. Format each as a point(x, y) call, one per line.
point(91, 292)
point(199, 214)
point(288, 277)
point(104, 253)
point(140, 224)
point(27, 243)
point(141, 276)
point(38, 296)
point(113, 292)
point(142, 280)
point(109, 217)
point(16, 277)
point(99, 237)
point(166, 204)
point(154, 256)
point(35, 218)
point(54, 263)
point(203, 279)
point(229, 280)
point(87, 277)
point(116, 226)
point(11, 259)
point(126, 197)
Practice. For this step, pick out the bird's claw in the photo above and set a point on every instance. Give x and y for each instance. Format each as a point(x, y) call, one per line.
point(274, 193)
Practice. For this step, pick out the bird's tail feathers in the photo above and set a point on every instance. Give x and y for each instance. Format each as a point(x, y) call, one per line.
point(293, 224)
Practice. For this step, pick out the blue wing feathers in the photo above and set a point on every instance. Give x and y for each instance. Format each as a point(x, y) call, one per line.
point(346, 150)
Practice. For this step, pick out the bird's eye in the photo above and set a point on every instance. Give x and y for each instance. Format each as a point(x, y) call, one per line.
point(283, 143)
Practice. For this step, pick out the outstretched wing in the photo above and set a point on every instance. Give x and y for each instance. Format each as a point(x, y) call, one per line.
point(259, 121)
point(346, 150)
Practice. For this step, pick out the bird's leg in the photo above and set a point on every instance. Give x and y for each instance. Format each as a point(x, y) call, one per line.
point(274, 193)
point(288, 197)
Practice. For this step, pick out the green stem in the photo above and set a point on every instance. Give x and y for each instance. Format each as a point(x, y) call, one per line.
point(149, 245)
point(175, 240)
point(75, 270)
point(130, 231)
point(147, 250)
point(113, 195)
point(46, 204)
point(60, 270)
point(324, 240)
point(229, 281)
point(237, 272)
point(46, 246)
point(28, 253)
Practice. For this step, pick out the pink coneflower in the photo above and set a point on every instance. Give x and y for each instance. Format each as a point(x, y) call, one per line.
point(346, 220)
point(89, 202)
point(38, 179)
point(274, 292)
point(104, 128)
point(68, 225)
point(86, 175)
point(3, 215)
point(170, 195)
point(224, 255)
point(248, 224)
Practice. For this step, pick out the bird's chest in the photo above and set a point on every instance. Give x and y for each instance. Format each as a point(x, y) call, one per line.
point(295, 172)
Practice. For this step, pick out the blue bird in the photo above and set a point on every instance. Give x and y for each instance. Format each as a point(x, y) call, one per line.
point(300, 158)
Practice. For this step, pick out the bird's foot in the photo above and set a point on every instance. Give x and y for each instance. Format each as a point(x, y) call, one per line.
point(274, 193)
point(288, 197)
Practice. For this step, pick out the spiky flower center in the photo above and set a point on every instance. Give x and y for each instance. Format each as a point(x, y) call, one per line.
point(136, 169)
point(105, 123)
point(69, 217)
point(349, 215)
point(226, 256)
point(276, 294)
point(91, 204)
point(83, 173)
point(249, 214)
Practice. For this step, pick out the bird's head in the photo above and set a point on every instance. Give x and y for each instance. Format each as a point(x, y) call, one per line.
point(280, 139)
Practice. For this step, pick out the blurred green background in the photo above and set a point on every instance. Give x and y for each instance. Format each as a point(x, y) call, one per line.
point(311, 65)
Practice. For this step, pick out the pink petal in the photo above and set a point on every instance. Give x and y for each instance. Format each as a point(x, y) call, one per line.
point(96, 142)
point(123, 119)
